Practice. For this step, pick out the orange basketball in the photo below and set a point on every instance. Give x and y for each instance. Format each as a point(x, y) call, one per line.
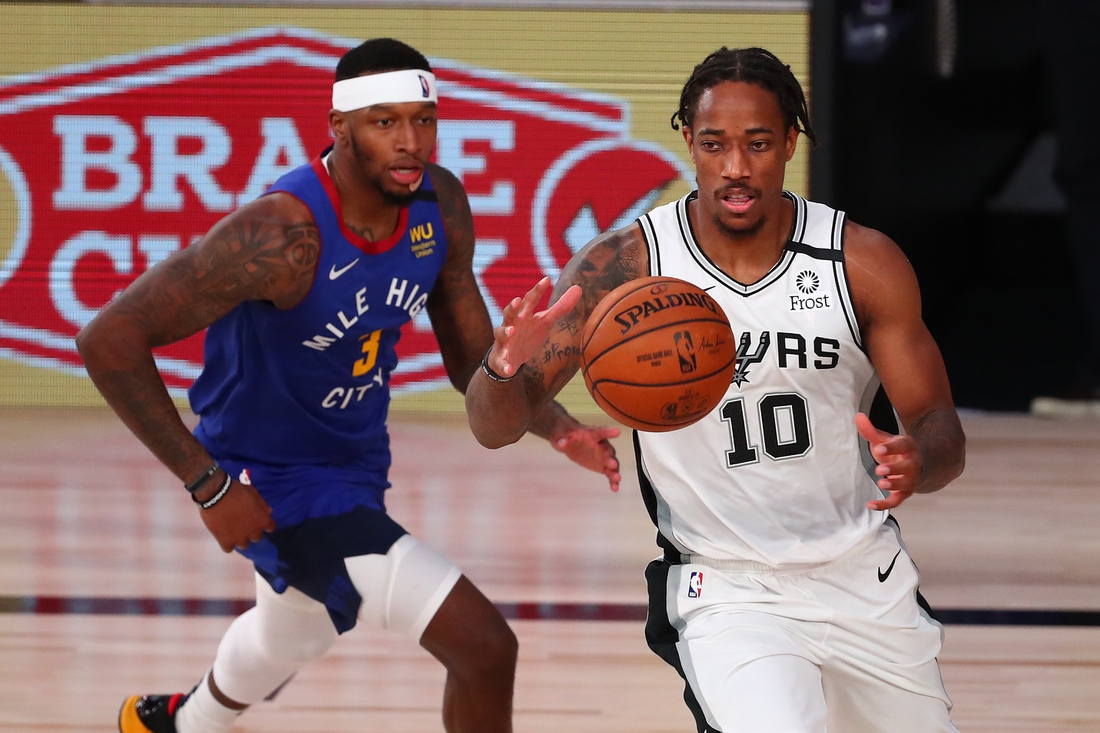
point(657, 353)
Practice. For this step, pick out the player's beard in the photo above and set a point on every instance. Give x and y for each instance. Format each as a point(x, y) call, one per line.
point(393, 199)
point(746, 233)
point(379, 182)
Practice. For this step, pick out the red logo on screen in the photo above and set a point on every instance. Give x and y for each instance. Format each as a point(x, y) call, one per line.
point(112, 166)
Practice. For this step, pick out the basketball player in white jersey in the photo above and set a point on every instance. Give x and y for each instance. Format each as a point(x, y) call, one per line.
point(785, 597)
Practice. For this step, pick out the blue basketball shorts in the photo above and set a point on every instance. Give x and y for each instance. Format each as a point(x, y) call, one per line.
point(323, 515)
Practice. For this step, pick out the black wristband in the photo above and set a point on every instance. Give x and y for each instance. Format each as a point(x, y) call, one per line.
point(201, 480)
point(493, 375)
point(216, 497)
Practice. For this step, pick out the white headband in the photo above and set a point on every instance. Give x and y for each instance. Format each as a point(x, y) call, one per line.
point(391, 87)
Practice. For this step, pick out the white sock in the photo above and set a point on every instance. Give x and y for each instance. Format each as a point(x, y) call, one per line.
point(202, 713)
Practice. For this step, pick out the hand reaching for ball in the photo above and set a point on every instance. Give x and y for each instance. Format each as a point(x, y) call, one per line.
point(524, 330)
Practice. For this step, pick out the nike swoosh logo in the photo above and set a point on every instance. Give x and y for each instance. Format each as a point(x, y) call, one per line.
point(334, 273)
point(712, 287)
point(883, 576)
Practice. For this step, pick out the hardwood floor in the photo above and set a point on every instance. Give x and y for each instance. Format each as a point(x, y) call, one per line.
point(86, 514)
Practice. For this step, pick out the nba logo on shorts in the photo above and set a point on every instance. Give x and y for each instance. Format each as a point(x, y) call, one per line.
point(424, 87)
point(695, 584)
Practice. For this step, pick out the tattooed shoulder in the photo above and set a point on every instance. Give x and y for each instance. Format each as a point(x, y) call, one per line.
point(303, 246)
point(263, 252)
point(607, 262)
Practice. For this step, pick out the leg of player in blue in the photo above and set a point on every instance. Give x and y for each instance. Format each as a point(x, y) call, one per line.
point(410, 589)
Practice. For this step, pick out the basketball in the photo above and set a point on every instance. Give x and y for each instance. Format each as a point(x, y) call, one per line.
point(657, 354)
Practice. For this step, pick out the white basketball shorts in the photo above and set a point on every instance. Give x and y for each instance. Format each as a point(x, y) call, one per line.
point(844, 647)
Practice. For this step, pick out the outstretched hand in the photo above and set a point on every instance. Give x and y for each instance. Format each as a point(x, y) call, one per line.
point(591, 448)
point(899, 463)
point(524, 330)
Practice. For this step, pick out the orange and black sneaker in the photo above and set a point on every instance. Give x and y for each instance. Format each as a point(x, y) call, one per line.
point(150, 713)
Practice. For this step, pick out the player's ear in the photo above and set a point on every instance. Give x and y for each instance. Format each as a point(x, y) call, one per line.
point(337, 122)
point(792, 142)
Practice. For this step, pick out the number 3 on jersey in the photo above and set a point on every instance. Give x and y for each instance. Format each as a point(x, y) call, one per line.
point(784, 427)
point(370, 348)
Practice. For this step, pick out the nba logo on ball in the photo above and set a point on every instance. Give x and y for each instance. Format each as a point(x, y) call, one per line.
point(686, 351)
point(695, 584)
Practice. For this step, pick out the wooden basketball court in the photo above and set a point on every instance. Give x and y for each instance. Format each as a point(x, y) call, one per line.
point(109, 584)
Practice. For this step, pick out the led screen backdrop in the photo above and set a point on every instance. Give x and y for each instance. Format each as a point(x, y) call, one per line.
point(126, 132)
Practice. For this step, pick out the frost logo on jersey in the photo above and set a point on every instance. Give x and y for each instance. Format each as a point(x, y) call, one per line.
point(745, 359)
point(685, 349)
point(807, 281)
point(695, 584)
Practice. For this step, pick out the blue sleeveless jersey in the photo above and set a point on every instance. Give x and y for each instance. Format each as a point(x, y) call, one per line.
point(310, 384)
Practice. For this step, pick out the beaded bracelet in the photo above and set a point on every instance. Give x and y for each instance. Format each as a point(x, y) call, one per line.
point(493, 375)
point(216, 497)
point(201, 480)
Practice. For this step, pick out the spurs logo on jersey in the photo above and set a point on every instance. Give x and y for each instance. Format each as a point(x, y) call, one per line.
point(776, 473)
point(746, 359)
point(791, 352)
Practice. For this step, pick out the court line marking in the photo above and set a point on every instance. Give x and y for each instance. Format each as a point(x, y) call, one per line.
point(514, 611)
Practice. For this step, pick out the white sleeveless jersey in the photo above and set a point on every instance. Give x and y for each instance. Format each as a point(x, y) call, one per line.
point(777, 473)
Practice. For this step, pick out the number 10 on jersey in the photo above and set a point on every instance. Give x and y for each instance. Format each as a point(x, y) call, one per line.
point(784, 427)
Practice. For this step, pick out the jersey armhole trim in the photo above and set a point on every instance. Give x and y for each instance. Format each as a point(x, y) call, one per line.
point(649, 234)
point(798, 226)
point(840, 274)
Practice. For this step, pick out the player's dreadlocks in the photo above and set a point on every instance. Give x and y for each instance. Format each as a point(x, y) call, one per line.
point(380, 54)
point(754, 66)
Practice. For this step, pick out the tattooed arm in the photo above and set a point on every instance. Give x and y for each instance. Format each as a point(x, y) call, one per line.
point(267, 250)
point(462, 327)
point(459, 317)
point(547, 343)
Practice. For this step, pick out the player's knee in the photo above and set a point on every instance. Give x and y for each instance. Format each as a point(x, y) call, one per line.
point(291, 627)
point(495, 649)
point(503, 646)
point(299, 648)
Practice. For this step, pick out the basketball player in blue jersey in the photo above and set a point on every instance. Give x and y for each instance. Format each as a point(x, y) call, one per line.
point(304, 292)
point(785, 597)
